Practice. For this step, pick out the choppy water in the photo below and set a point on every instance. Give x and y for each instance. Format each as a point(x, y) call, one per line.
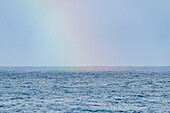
point(121, 89)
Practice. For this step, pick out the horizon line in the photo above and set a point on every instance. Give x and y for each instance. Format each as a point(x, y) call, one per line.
point(85, 66)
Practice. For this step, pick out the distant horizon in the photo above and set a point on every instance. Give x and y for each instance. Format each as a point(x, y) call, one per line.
point(85, 66)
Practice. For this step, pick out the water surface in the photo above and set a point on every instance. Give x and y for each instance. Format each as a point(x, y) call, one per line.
point(84, 89)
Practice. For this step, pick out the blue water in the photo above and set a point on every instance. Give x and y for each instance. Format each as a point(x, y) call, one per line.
point(55, 89)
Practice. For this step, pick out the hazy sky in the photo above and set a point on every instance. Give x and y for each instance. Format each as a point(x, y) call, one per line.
point(84, 32)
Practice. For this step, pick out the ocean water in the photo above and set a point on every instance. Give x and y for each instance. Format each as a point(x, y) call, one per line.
point(85, 89)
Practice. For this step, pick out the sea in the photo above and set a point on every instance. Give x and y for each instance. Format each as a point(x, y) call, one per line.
point(126, 89)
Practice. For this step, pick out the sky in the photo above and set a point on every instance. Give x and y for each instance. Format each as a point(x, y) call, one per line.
point(84, 32)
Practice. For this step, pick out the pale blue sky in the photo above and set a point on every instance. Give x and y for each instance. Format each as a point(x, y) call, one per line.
point(84, 33)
